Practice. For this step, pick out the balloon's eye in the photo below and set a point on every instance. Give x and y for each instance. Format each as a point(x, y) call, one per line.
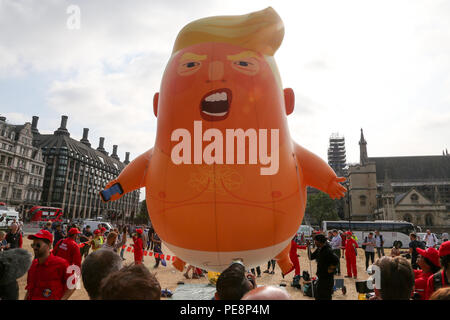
point(189, 67)
point(191, 64)
point(248, 66)
point(243, 63)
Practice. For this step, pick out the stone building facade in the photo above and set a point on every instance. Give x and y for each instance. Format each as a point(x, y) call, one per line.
point(22, 166)
point(414, 189)
point(76, 173)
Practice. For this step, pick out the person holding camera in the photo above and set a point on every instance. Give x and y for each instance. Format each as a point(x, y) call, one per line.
point(327, 262)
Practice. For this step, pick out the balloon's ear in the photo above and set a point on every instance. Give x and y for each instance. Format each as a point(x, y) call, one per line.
point(155, 104)
point(289, 100)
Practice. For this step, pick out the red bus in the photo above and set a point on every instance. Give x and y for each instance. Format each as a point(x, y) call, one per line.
point(40, 213)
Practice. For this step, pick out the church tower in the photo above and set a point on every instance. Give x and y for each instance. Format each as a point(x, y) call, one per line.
point(363, 159)
point(362, 186)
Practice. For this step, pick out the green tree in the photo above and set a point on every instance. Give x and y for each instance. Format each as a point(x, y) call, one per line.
point(321, 207)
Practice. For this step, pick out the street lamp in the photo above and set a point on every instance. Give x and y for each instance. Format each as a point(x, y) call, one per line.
point(349, 205)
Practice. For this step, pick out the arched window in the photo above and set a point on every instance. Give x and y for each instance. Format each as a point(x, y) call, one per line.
point(362, 200)
point(429, 220)
point(414, 198)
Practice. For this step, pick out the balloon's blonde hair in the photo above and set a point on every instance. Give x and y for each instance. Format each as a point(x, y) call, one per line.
point(260, 31)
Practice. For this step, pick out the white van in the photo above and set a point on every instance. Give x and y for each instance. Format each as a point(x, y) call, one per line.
point(306, 230)
point(7, 216)
point(94, 225)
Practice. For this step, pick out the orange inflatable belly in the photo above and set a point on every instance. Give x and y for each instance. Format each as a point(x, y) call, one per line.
point(213, 209)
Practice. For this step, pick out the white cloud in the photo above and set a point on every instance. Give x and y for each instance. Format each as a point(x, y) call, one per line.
point(380, 65)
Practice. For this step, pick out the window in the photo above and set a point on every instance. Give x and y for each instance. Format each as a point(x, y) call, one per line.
point(429, 220)
point(362, 200)
point(414, 198)
point(407, 217)
point(386, 227)
point(4, 192)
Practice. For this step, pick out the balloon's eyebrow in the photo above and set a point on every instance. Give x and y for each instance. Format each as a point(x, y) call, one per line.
point(243, 55)
point(192, 57)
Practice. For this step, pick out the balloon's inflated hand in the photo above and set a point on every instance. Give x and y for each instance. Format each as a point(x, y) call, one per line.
point(335, 189)
point(113, 191)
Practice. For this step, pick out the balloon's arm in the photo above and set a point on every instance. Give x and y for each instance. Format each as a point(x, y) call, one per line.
point(131, 178)
point(318, 174)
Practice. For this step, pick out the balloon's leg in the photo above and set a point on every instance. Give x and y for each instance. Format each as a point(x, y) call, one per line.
point(179, 264)
point(283, 260)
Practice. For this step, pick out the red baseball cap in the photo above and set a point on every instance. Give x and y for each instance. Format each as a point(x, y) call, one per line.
point(431, 254)
point(96, 231)
point(74, 231)
point(42, 234)
point(103, 229)
point(444, 249)
point(139, 231)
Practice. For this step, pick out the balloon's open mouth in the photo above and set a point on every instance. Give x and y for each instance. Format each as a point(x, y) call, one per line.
point(215, 105)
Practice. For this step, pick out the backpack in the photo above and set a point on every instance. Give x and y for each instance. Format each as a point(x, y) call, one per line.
point(364, 246)
point(438, 280)
point(308, 289)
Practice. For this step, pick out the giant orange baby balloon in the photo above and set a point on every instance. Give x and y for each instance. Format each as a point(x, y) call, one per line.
point(224, 180)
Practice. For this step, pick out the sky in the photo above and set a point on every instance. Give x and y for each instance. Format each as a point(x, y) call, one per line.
point(383, 66)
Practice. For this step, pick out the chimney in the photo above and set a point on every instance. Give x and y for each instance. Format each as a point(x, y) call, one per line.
point(34, 124)
point(114, 153)
point(127, 158)
point(101, 146)
point(85, 140)
point(62, 129)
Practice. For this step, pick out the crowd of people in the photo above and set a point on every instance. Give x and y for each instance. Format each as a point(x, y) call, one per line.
point(65, 256)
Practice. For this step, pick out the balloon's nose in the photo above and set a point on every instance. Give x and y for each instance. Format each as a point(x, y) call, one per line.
point(216, 70)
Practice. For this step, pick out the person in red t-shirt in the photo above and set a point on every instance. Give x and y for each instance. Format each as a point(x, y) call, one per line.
point(294, 257)
point(138, 247)
point(441, 278)
point(350, 255)
point(47, 277)
point(428, 262)
point(68, 248)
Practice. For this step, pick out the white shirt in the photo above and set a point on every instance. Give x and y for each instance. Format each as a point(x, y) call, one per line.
point(336, 242)
point(430, 239)
point(378, 240)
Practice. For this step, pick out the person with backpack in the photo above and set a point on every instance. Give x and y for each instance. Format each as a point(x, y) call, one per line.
point(441, 278)
point(369, 248)
point(379, 244)
point(413, 245)
point(68, 248)
point(430, 240)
